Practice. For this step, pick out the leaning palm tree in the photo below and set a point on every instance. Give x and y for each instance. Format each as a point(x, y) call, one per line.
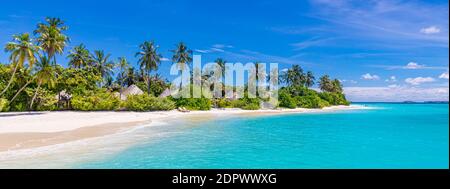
point(149, 60)
point(181, 55)
point(45, 74)
point(22, 50)
point(51, 38)
point(102, 64)
point(79, 57)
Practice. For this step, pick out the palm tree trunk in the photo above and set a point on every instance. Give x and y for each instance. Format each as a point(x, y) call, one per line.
point(148, 82)
point(10, 80)
point(21, 89)
point(35, 94)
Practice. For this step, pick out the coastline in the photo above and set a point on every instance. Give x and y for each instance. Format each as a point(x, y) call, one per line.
point(20, 131)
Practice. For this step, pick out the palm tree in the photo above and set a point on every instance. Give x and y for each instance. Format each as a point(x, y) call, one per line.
point(22, 49)
point(130, 77)
point(293, 76)
point(309, 79)
point(325, 84)
point(79, 57)
point(45, 75)
point(51, 38)
point(221, 64)
point(181, 55)
point(337, 86)
point(149, 59)
point(123, 67)
point(102, 64)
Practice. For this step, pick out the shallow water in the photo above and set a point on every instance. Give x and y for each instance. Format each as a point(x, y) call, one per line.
point(389, 136)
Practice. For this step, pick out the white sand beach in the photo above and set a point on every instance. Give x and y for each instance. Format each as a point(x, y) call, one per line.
point(26, 130)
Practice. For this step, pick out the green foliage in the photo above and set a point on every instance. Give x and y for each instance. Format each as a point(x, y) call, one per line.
point(78, 81)
point(292, 97)
point(4, 105)
point(45, 100)
point(311, 101)
point(146, 102)
point(194, 103)
point(95, 101)
point(285, 99)
point(334, 98)
point(224, 103)
point(245, 103)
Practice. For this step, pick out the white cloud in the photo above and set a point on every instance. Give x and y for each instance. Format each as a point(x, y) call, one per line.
point(396, 93)
point(391, 79)
point(413, 66)
point(164, 59)
point(430, 30)
point(419, 80)
point(369, 76)
point(444, 75)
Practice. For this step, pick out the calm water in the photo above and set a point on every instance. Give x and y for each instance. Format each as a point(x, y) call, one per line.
point(392, 136)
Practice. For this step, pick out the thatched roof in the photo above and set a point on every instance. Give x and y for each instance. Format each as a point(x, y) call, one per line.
point(165, 93)
point(131, 90)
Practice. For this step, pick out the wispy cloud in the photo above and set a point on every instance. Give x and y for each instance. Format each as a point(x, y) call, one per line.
point(214, 48)
point(396, 93)
point(252, 56)
point(387, 20)
point(430, 30)
point(310, 43)
point(419, 80)
point(409, 66)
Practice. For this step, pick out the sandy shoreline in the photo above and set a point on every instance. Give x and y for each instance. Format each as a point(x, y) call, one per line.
point(38, 129)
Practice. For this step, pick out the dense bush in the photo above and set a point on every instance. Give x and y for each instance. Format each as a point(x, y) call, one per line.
point(245, 103)
point(4, 105)
point(95, 101)
point(292, 97)
point(285, 99)
point(46, 101)
point(334, 98)
point(148, 103)
point(194, 103)
point(224, 103)
point(311, 101)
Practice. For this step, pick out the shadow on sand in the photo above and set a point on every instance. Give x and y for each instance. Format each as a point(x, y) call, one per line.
point(20, 114)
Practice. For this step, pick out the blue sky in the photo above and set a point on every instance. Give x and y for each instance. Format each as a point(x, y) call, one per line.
point(384, 50)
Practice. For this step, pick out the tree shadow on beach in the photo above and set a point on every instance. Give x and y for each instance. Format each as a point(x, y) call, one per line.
point(20, 114)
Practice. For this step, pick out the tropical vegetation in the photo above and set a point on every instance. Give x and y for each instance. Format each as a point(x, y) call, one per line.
point(33, 80)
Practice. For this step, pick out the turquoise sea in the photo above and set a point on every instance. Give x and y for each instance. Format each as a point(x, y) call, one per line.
point(388, 136)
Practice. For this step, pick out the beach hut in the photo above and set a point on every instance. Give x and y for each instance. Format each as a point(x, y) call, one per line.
point(131, 90)
point(165, 93)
